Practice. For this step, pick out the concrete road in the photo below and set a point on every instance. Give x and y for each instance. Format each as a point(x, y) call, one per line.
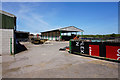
point(0, 67)
point(46, 61)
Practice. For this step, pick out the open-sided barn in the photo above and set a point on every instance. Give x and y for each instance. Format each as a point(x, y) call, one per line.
point(57, 33)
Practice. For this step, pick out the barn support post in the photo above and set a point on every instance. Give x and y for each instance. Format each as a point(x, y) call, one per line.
point(47, 36)
point(60, 35)
point(71, 33)
point(52, 35)
point(81, 34)
point(55, 35)
point(43, 35)
point(70, 46)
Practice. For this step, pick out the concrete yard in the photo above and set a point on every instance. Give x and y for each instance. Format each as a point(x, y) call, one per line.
point(46, 61)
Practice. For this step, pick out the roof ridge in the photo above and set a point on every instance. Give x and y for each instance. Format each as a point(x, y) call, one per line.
point(6, 13)
point(64, 30)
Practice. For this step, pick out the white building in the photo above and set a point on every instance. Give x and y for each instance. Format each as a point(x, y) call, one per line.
point(7, 28)
point(61, 33)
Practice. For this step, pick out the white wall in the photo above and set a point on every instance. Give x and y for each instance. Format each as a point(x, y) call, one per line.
point(0, 41)
point(51, 38)
point(5, 36)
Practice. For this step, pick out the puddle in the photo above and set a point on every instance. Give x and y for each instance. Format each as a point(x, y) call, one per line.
point(14, 69)
point(28, 65)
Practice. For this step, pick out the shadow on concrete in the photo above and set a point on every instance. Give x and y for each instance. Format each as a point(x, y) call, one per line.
point(20, 48)
point(96, 57)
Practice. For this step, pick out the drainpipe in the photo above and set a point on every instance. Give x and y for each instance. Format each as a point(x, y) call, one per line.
point(11, 46)
point(15, 28)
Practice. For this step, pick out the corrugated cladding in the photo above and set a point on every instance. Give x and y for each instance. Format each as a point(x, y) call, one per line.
point(8, 22)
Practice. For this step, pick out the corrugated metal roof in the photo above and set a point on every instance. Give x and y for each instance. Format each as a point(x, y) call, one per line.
point(22, 32)
point(6, 13)
point(67, 29)
point(71, 28)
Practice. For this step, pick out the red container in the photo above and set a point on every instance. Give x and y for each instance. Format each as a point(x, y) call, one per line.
point(113, 52)
point(94, 50)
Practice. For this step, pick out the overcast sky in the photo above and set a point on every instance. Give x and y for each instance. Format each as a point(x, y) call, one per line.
point(92, 17)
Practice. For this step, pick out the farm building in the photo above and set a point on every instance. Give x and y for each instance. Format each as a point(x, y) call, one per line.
point(61, 33)
point(7, 28)
point(22, 36)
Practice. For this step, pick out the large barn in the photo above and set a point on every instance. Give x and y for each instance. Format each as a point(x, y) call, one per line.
point(61, 33)
point(7, 28)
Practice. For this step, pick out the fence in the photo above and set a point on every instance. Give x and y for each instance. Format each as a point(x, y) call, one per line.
point(102, 49)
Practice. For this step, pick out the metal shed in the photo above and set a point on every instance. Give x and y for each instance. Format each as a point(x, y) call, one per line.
point(57, 33)
point(22, 36)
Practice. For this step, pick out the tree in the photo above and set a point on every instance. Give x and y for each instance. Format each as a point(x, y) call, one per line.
point(113, 35)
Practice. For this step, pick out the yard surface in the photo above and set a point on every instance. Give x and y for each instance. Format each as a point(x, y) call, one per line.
point(46, 61)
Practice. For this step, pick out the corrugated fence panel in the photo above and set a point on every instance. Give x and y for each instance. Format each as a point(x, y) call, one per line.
point(103, 49)
point(7, 22)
